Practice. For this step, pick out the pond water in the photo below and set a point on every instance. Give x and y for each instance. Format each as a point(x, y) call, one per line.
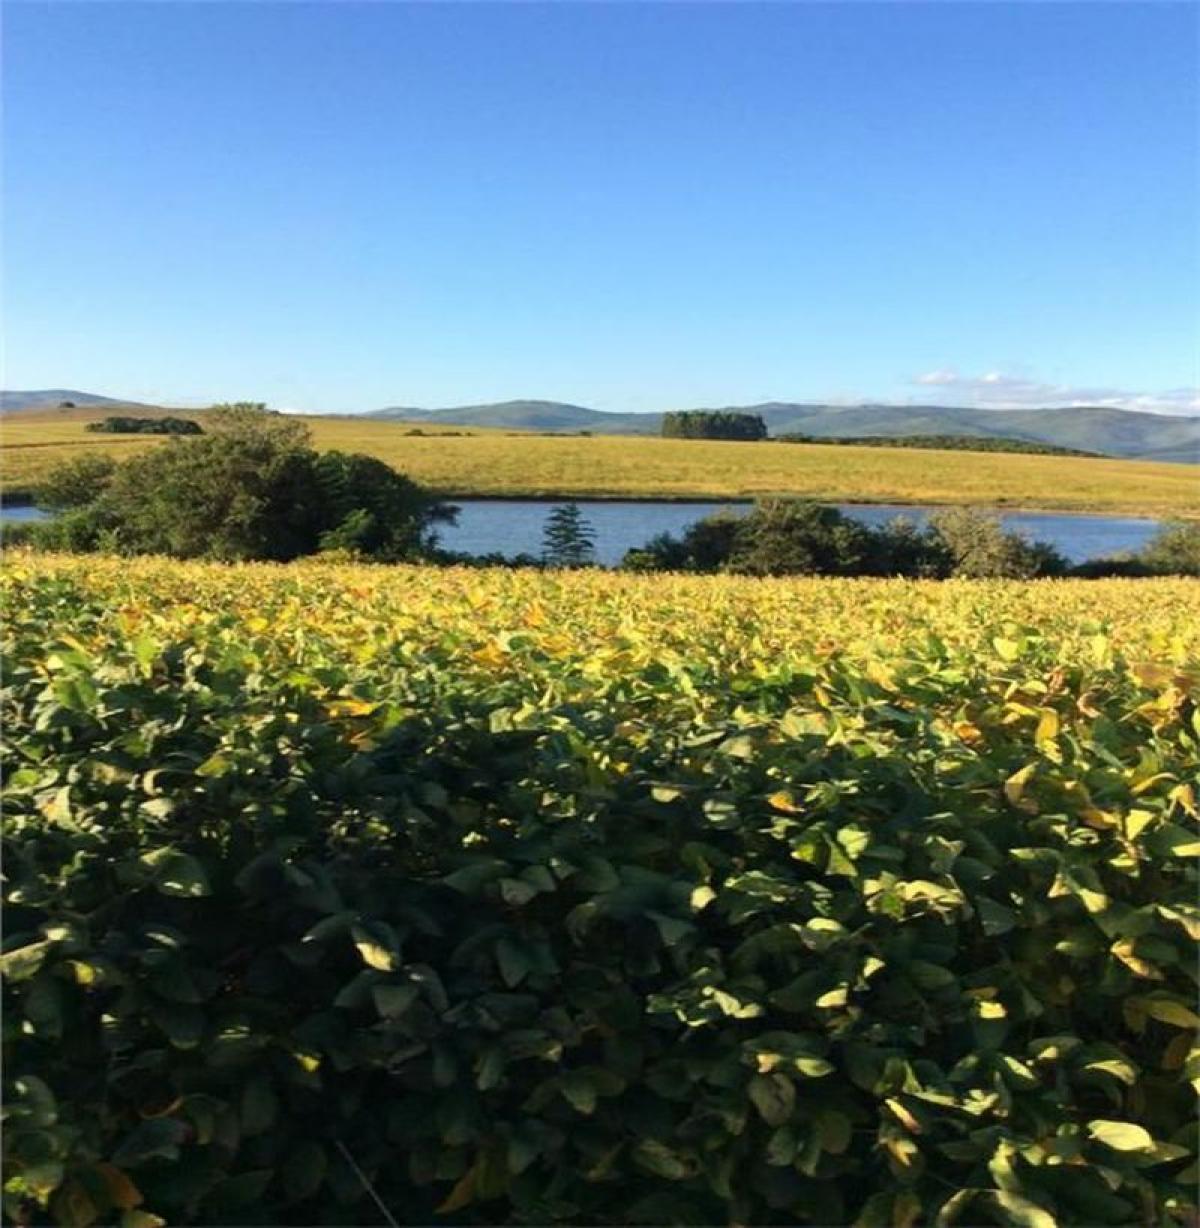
point(21, 512)
point(515, 526)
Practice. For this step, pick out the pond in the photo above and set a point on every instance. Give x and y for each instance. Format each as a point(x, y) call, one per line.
point(514, 526)
point(21, 512)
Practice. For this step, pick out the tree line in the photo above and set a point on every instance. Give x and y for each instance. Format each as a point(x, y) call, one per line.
point(146, 426)
point(712, 424)
point(787, 537)
point(945, 443)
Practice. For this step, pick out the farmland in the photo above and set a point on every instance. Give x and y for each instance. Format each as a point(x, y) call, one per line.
point(466, 461)
point(593, 898)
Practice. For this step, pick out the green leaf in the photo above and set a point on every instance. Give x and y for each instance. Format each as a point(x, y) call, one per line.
point(176, 873)
point(157, 1138)
point(514, 963)
point(303, 1171)
point(580, 1091)
point(663, 1161)
point(392, 1001)
point(774, 1096)
point(260, 1107)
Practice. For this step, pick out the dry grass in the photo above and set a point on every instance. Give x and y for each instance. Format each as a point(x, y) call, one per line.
point(479, 462)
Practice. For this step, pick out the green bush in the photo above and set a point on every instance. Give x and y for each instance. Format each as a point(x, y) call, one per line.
point(782, 537)
point(75, 483)
point(812, 947)
point(1175, 550)
point(250, 488)
point(979, 548)
point(146, 426)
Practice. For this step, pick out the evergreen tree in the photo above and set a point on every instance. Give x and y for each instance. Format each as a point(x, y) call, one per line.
point(568, 539)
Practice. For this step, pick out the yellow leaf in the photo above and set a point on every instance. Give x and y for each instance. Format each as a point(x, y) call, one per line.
point(463, 1193)
point(352, 707)
point(491, 655)
point(785, 800)
point(1047, 726)
point(1123, 950)
point(1176, 1052)
point(1014, 787)
point(121, 1190)
point(702, 896)
point(1103, 820)
point(902, 1150)
point(906, 1210)
point(1166, 1010)
point(1184, 796)
point(899, 1110)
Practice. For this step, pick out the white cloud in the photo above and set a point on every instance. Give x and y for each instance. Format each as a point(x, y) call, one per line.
point(937, 377)
point(995, 390)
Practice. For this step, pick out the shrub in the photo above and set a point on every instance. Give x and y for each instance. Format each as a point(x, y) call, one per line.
point(326, 888)
point(250, 488)
point(1175, 550)
point(146, 426)
point(75, 483)
point(979, 548)
point(789, 537)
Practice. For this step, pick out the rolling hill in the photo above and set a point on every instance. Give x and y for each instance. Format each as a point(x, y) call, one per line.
point(1114, 432)
point(52, 398)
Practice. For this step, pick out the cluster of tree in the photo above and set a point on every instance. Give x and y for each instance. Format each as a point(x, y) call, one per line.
point(712, 424)
point(252, 487)
point(146, 426)
point(797, 537)
point(951, 443)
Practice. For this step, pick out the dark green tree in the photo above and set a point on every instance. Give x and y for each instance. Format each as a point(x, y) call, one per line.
point(713, 424)
point(146, 426)
point(252, 487)
point(568, 539)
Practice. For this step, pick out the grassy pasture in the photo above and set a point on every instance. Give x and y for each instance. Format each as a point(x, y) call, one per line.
point(497, 463)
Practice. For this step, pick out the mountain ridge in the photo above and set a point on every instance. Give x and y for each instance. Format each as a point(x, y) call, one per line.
point(1129, 434)
point(1116, 432)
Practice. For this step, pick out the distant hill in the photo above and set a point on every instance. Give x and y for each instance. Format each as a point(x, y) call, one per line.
point(530, 416)
point(1112, 432)
point(52, 398)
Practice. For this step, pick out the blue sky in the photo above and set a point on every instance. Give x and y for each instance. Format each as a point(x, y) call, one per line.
point(341, 206)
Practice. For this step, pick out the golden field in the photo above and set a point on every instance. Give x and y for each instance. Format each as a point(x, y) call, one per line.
point(491, 618)
point(495, 463)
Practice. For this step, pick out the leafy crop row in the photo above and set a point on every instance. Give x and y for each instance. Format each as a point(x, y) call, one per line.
point(340, 895)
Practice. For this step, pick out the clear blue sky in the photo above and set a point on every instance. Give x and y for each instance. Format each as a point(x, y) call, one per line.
point(340, 206)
